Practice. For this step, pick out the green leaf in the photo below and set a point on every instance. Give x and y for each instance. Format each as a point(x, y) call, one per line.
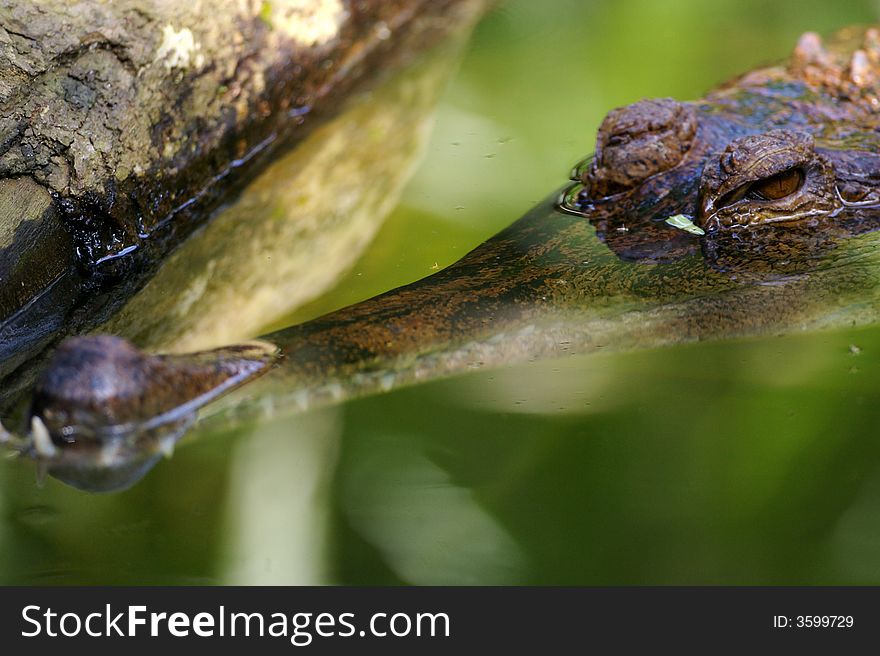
point(682, 222)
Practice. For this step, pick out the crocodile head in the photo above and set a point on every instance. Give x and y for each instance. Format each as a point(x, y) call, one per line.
point(776, 154)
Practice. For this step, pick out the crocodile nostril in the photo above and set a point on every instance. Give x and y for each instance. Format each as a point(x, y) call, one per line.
point(638, 141)
point(101, 384)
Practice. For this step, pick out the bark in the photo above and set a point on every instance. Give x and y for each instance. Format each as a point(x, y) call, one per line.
point(124, 123)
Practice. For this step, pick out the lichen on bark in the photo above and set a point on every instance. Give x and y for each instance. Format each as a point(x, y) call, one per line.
point(132, 109)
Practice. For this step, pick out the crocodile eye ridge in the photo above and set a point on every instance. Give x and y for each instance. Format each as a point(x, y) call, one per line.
point(638, 141)
point(773, 177)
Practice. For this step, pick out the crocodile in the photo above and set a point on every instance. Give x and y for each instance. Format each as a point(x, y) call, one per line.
point(751, 211)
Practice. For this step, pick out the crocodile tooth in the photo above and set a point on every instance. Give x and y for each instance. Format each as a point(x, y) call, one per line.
point(386, 382)
point(166, 446)
point(42, 440)
point(109, 454)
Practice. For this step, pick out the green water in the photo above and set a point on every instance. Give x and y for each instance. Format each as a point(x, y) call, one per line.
point(735, 462)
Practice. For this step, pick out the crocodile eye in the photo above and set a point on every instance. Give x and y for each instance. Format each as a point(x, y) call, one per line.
point(778, 186)
point(775, 187)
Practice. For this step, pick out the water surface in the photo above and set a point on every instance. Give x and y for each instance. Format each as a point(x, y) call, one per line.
point(733, 462)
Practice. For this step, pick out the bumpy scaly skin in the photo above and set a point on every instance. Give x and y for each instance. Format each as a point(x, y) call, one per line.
point(637, 141)
point(726, 196)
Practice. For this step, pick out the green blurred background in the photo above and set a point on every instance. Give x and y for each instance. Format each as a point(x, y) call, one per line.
point(739, 462)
